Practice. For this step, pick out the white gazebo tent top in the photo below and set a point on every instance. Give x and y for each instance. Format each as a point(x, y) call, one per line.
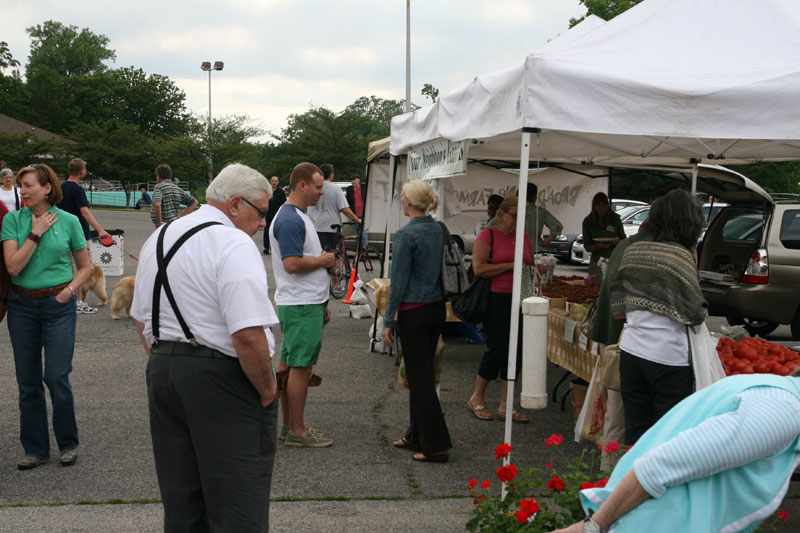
point(671, 81)
point(668, 82)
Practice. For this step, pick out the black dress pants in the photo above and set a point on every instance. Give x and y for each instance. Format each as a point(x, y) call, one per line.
point(213, 443)
point(419, 331)
point(649, 390)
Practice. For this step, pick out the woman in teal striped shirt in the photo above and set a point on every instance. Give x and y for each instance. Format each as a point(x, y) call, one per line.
point(720, 460)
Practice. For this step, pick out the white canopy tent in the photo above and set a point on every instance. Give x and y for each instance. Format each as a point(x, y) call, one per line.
point(668, 82)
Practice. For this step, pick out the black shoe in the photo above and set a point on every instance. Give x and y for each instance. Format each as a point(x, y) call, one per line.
point(266, 252)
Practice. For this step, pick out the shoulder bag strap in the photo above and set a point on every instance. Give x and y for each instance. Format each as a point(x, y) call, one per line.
point(162, 279)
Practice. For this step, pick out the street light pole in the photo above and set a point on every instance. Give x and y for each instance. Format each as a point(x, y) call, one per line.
point(206, 66)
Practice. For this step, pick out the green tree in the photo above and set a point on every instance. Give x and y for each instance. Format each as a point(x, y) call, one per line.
point(21, 150)
point(605, 9)
point(379, 112)
point(152, 102)
point(12, 88)
point(6, 58)
point(321, 136)
point(230, 142)
point(430, 91)
point(116, 151)
point(66, 50)
point(774, 177)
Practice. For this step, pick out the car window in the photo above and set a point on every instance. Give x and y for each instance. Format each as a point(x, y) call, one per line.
point(743, 225)
point(641, 216)
point(790, 229)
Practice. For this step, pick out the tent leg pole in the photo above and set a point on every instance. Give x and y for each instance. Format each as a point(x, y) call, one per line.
point(388, 233)
point(515, 292)
point(694, 179)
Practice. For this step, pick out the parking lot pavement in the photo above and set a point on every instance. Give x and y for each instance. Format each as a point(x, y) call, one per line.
point(359, 484)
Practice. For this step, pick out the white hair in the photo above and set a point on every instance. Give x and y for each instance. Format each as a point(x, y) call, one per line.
point(238, 180)
point(6, 171)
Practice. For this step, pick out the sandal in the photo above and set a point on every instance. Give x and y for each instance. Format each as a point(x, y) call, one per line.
point(405, 445)
point(516, 416)
point(437, 458)
point(475, 409)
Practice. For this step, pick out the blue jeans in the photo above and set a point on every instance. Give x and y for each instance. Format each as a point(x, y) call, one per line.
point(364, 238)
point(34, 324)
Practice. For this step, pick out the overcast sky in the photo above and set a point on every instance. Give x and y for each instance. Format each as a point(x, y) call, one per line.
point(283, 55)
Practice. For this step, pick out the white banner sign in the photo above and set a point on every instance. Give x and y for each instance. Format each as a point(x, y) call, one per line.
point(439, 158)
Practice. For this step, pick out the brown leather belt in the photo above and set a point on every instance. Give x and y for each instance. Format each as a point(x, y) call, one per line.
point(39, 293)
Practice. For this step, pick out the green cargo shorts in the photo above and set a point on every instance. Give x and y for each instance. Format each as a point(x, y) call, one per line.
point(301, 326)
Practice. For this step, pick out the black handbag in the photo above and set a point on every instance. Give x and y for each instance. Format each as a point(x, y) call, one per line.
point(472, 304)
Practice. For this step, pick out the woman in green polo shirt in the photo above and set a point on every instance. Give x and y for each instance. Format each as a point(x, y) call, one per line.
point(37, 242)
point(602, 231)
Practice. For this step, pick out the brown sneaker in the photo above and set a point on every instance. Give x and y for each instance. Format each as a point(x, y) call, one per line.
point(313, 438)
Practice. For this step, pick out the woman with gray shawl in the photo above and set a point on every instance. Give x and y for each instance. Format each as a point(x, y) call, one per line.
point(657, 291)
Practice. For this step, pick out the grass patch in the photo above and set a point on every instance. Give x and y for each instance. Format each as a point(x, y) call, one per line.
point(377, 407)
point(309, 499)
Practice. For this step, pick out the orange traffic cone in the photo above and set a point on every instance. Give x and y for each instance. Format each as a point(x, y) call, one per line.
point(353, 279)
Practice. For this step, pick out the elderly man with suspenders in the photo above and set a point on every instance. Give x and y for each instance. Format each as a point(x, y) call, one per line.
point(201, 308)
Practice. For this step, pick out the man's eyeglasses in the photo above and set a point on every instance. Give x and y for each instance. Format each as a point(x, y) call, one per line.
point(262, 213)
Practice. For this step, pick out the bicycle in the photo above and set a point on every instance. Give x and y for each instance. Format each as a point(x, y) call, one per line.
point(366, 261)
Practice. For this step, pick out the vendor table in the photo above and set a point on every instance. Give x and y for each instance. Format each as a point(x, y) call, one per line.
point(378, 294)
point(568, 347)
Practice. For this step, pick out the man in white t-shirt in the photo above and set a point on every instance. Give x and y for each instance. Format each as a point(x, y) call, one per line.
point(301, 293)
point(210, 385)
point(326, 212)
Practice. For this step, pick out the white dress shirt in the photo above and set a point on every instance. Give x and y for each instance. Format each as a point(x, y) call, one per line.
point(217, 278)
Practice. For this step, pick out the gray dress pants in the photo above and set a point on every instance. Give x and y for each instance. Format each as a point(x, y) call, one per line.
point(213, 443)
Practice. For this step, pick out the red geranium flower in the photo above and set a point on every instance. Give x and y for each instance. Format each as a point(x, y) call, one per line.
point(548, 465)
point(485, 484)
point(472, 483)
point(478, 499)
point(529, 505)
point(602, 483)
point(556, 484)
point(599, 448)
point(587, 485)
point(522, 517)
point(502, 450)
point(782, 514)
point(553, 440)
point(507, 473)
point(612, 447)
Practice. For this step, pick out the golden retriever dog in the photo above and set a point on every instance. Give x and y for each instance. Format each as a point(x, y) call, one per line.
point(96, 284)
point(122, 297)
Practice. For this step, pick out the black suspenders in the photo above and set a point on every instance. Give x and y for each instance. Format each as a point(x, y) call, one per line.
point(162, 281)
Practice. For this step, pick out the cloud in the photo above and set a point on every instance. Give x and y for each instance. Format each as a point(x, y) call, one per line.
point(281, 55)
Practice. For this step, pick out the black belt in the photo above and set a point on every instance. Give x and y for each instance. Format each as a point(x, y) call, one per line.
point(187, 349)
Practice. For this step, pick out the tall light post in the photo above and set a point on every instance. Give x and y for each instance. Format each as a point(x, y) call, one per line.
point(206, 66)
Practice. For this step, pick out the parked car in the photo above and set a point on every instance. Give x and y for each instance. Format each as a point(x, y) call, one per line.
point(619, 204)
point(750, 260)
point(561, 246)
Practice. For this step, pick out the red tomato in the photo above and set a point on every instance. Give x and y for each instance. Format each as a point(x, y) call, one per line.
point(744, 352)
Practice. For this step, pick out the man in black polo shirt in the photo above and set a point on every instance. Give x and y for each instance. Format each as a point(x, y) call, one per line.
point(75, 202)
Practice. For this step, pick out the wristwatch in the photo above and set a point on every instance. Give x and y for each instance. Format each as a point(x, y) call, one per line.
point(590, 526)
point(34, 238)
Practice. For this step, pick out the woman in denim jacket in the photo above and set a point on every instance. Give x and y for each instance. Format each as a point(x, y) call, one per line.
point(417, 297)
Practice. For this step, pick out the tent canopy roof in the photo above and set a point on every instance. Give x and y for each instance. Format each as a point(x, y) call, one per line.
point(669, 81)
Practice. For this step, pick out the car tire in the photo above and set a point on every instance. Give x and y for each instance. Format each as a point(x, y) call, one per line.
point(795, 325)
point(762, 328)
